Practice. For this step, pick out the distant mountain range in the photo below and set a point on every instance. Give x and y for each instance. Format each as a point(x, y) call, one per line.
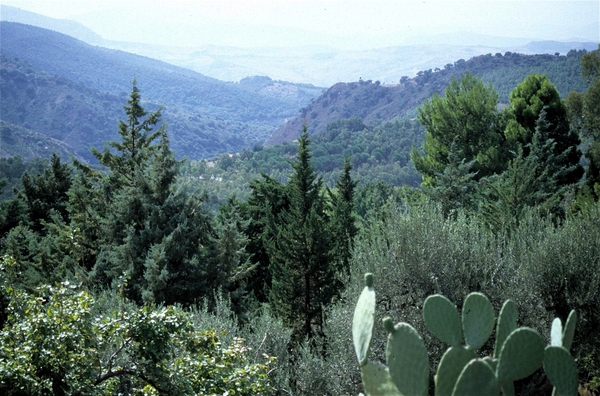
point(67, 95)
point(315, 65)
point(205, 116)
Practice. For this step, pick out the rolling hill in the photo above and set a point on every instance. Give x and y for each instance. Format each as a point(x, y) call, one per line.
point(205, 116)
point(374, 102)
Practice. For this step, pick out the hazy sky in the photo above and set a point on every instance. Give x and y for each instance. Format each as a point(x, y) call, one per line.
point(338, 23)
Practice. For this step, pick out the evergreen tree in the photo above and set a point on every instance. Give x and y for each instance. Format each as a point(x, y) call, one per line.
point(268, 198)
point(531, 181)
point(455, 187)
point(155, 233)
point(232, 265)
point(343, 221)
point(46, 192)
point(584, 114)
point(468, 117)
point(302, 264)
point(527, 101)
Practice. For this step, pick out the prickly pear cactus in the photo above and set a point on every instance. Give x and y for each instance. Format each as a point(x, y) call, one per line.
point(407, 359)
point(518, 352)
point(363, 321)
point(442, 319)
point(559, 365)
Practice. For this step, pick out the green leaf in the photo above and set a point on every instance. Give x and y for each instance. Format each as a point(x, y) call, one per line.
point(569, 330)
point(377, 381)
point(507, 323)
point(478, 320)
point(477, 378)
point(442, 319)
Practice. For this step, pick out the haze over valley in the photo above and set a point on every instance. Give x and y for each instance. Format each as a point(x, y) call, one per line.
point(213, 102)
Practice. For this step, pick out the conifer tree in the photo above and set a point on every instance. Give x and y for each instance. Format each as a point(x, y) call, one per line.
point(531, 181)
point(268, 198)
point(527, 101)
point(152, 231)
point(46, 192)
point(466, 116)
point(343, 225)
point(302, 263)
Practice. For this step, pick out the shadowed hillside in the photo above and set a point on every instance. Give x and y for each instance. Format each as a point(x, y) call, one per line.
point(205, 116)
point(374, 102)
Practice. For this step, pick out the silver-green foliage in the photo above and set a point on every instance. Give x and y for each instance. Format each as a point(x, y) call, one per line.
point(519, 352)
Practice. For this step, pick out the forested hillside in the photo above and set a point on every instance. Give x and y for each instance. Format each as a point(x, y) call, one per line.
point(122, 280)
point(205, 116)
point(374, 102)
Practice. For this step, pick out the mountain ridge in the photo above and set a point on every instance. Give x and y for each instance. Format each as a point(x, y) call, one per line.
point(374, 102)
point(206, 116)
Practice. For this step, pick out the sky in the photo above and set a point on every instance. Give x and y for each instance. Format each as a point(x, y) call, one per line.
point(346, 24)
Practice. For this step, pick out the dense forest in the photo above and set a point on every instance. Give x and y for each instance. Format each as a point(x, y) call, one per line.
point(129, 278)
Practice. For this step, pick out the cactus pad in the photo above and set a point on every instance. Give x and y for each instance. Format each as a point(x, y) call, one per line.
point(507, 323)
point(569, 330)
point(477, 378)
point(556, 333)
point(377, 381)
point(451, 365)
point(560, 368)
point(521, 354)
point(442, 319)
point(478, 320)
point(407, 360)
point(363, 321)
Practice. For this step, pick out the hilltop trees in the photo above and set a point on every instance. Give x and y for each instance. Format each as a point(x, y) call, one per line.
point(584, 113)
point(528, 100)
point(466, 117)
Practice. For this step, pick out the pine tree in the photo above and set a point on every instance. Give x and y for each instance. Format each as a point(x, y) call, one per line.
point(46, 192)
point(302, 263)
point(150, 229)
point(343, 222)
point(531, 181)
point(536, 94)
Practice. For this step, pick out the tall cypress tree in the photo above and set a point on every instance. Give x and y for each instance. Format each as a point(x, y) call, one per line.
point(343, 225)
point(302, 263)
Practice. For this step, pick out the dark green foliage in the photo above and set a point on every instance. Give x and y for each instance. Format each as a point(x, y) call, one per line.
point(456, 185)
point(343, 222)
point(584, 115)
point(531, 182)
point(153, 231)
point(303, 275)
point(527, 101)
point(467, 117)
point(269, 198)
point(232, 266)
point(46, 193)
